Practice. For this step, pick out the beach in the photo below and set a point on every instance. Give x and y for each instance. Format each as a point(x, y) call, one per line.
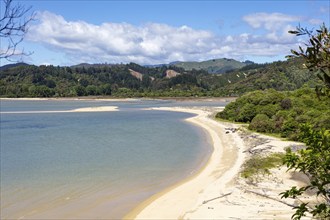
point(87, 109)
point(214, 191)
point(218, 191)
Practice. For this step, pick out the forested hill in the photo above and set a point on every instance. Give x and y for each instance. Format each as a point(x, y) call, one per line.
point(133, 80)
point(281, 76)
point(213, 66)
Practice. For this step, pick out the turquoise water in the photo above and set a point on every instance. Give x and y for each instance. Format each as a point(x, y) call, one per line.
point(92, 164)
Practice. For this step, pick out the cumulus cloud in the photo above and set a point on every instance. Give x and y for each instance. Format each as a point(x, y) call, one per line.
point(152, 43)
point(272, 21)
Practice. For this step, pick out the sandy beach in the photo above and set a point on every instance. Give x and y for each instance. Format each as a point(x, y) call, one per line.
point(87, 109)
point(218, 191)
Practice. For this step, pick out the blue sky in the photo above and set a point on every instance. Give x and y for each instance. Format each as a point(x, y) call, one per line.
point(152, 32)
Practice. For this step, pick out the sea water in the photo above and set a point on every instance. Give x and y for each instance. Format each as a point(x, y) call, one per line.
point(92, 165)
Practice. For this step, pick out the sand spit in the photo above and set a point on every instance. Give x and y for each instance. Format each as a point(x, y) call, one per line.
point(88, 109)
point(218, 191)
point(82, 98)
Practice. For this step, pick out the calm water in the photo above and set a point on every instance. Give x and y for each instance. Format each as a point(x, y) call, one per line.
point(96, 164)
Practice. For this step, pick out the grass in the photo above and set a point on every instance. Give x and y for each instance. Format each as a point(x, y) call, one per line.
point(257, 164)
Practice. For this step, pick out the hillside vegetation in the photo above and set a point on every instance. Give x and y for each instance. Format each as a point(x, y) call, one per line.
point(133, 80)
point(303, 115)
point(213, 66)
point(281, 113)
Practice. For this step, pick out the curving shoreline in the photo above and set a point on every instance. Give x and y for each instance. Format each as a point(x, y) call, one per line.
point(216, 191)
point(179, 200)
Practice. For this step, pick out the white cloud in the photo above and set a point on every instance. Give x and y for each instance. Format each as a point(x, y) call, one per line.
point(159, 43)
point(271, 22)
point(315, 21)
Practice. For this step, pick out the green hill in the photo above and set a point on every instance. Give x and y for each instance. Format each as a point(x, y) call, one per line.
point(8, 66)
point(280, 75)
point(213, 66)
point(118, 80)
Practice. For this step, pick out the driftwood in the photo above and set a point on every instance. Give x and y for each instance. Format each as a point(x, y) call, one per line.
point(268, 197)
point(219, 197)
point(257, 151)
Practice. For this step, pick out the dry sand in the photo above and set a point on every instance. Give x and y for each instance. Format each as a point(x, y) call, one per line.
point(88, 109)
point(218, 191)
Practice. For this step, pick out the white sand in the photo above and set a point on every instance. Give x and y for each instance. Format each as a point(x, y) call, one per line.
point(96, 109)
point(88, 109)
point(197, 197)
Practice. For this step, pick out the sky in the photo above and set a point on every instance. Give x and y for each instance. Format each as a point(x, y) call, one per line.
point(69, 32)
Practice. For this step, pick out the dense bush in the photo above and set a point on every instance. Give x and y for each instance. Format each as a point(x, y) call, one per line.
point(279, 112)
point(262, 123)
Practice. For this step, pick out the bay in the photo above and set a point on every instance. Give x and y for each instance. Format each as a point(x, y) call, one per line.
point(93, 164)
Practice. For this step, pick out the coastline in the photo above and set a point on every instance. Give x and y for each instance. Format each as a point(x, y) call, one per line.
point(217, 191)
point(174, 202)
point(87, 109)
point(113, 99)
point(72, 99)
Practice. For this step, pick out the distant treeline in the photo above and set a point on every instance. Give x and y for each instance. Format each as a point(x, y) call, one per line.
point(117, 80)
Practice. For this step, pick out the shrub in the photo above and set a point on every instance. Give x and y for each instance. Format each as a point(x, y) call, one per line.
point(230, 112)
point(262, 123)
point(290, 129)
point(246, 113)
point(286, 103)
point(269, 110)
point(260, 165)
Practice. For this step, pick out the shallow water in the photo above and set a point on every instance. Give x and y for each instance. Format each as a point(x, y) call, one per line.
point(92, 164)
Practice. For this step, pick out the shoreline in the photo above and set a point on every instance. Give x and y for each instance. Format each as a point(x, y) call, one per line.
point(72, 99)
point(113, 99)
point(216, 191)
point(176, 201)
point(87, 109)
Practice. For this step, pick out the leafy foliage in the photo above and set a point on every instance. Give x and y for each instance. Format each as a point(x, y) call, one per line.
point(279, 112)
point(262, 123)
point(316, 54)
point(314, 161)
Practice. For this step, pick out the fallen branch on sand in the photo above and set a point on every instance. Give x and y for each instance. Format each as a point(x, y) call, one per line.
point(219, 197)
point(268, 197)
point(258, 151)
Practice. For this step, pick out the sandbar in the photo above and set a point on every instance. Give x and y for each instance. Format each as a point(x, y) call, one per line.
point(87, 109)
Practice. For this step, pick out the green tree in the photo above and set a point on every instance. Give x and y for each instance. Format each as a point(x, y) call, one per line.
point(262, 123)
point(80, 90)
point(316, 54)
point(314, 160)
